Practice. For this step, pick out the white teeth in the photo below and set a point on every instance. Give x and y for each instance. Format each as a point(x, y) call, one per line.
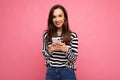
point(57, 23)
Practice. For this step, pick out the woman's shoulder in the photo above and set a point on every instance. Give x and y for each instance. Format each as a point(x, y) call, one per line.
point(73, 34)
point(45, 33)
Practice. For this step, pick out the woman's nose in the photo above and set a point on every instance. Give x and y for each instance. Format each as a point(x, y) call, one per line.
point(57, 19)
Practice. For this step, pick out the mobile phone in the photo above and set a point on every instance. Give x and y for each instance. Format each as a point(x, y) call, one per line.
point(56, 39)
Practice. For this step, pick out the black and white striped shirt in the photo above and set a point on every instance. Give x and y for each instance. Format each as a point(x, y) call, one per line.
point(59, 58)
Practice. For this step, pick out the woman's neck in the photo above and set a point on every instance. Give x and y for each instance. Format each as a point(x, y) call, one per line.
point(59, 32)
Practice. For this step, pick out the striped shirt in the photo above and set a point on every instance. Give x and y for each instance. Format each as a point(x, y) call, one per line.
point(59, 58)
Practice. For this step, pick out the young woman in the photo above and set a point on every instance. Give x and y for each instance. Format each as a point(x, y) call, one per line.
point(60, 46)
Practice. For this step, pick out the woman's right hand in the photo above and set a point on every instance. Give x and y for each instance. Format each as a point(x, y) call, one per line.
point(54, 47)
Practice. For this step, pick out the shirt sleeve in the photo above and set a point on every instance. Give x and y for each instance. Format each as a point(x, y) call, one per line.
point(72, 52)
point(45, 47)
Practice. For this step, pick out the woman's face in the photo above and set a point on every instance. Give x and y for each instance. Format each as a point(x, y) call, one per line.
point(58, 18)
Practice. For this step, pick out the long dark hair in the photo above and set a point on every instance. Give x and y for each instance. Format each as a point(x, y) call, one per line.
point(52, 30)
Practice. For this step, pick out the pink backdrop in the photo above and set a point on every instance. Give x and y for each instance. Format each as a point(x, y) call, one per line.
point(97, 23)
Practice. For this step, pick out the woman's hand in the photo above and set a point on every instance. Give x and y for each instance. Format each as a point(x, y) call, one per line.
point(58, 47)
point(54, 47)
point(63, 47)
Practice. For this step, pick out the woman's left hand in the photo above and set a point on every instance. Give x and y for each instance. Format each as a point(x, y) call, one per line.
point(63, 47)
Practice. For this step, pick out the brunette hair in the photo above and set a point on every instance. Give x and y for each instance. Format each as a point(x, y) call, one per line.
point(52, 30)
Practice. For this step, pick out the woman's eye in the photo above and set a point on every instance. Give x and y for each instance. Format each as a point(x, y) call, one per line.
point(60, 15)
point(53, 16)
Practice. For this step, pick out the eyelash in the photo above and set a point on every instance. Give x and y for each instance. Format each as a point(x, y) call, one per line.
point(58, 15)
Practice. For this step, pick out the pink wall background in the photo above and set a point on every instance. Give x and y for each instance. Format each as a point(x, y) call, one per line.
point(97, 23)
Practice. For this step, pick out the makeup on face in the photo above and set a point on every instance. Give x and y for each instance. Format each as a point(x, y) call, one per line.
point(58, 18)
